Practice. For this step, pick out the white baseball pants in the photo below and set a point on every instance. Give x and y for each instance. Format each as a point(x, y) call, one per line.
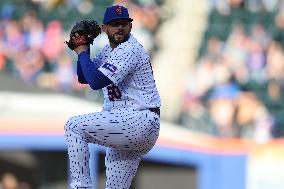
point(127, 134)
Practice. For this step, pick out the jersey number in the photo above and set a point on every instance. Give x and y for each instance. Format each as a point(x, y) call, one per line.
point(113, 92)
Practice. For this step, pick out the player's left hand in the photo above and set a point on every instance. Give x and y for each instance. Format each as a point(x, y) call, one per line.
point(83, 33)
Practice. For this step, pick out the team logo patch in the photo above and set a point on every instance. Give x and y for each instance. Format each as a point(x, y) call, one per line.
point(110, 67)
point(118, 10)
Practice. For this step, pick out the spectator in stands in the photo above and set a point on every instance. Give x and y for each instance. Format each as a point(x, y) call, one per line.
point(9, 181)
point(252, 118)
point(65, 75)
point(53, 42)
point(256, 59)
point(222, 100)
point(14, 41)
point(33, 29)
point(275, 61)
point(29, 64)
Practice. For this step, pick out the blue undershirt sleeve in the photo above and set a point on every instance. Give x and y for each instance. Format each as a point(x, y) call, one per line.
point(91, 74)
point(80, 74)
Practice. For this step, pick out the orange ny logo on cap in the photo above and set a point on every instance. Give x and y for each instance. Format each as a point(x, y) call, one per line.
point(118, 10)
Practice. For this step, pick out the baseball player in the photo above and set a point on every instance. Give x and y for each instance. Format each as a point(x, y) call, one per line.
point(128, 126)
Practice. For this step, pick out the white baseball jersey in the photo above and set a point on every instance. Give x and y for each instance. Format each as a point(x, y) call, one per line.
point(126, 126)
point(128, 67)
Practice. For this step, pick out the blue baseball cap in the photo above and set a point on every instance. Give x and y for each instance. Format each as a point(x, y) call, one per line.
point(116, 12)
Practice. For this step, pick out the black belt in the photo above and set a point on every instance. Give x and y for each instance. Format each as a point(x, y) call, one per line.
point(155, 110)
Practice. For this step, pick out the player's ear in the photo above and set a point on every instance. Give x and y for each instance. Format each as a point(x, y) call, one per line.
point(104, 28)
point(130, 25)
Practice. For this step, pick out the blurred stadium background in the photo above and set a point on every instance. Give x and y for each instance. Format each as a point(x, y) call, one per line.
point(219, 66)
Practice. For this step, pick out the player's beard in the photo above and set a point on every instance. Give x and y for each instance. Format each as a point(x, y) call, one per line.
point(118, 38)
